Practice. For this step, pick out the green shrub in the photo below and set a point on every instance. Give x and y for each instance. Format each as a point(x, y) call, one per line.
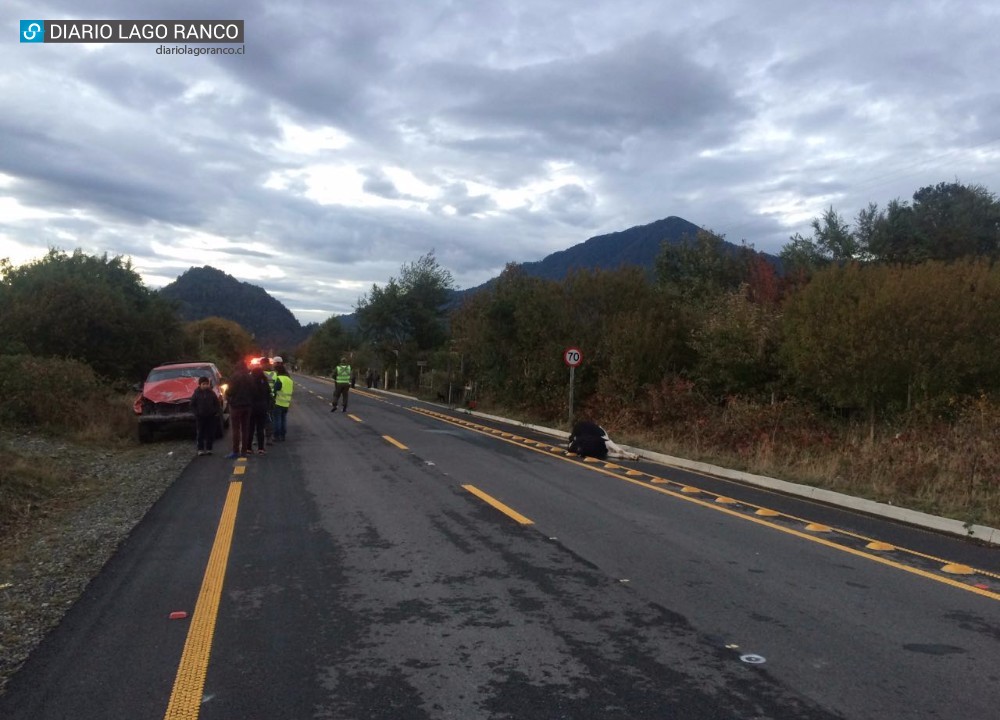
point(51, 393)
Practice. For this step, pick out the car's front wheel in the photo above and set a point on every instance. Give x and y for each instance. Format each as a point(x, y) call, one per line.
point(145, 432)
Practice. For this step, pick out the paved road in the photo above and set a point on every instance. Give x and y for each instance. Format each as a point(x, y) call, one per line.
point(397, 561)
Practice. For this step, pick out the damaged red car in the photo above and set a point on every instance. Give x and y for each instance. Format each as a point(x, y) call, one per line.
point(165, 398)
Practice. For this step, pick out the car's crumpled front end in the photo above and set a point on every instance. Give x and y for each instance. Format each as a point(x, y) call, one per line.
point(165, 400)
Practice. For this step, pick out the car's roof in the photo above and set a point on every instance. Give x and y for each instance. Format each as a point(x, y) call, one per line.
point(201, 363)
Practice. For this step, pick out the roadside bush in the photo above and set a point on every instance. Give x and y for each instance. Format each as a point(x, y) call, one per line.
point(54, 394)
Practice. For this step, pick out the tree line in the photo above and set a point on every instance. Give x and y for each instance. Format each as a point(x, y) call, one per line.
point(96, 311)
point(894, 313)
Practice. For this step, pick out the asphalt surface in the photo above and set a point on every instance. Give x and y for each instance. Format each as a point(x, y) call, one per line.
point(396, 561)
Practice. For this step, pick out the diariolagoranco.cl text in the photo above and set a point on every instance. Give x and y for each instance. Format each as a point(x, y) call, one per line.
point(188, 50)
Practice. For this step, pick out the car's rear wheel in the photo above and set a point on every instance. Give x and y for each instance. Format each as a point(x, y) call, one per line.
point(145, 432)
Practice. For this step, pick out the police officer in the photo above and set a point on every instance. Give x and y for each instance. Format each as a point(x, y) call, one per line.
point(283, 385)
point(342, 383)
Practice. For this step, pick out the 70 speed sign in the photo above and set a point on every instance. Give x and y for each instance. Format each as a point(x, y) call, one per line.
point(573, 357)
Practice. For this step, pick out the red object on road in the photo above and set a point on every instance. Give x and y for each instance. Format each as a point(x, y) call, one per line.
point(179, 615)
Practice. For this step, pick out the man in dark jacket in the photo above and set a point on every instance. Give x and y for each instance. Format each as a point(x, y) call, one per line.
point(260, 406)
point(206, 409)
point(240, 396)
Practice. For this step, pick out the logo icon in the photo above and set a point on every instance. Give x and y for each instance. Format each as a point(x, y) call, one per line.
point(32, 31)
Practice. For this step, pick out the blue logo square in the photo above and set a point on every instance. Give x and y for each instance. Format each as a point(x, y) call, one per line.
point(32, 31)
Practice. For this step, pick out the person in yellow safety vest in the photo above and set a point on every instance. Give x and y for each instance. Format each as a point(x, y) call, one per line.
point(283, 385)
point(342, 383)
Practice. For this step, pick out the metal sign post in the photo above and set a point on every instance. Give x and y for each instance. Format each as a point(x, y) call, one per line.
point(572, 357)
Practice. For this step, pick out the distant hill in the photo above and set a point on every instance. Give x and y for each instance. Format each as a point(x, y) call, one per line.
point(637, 246)
point(206, 292)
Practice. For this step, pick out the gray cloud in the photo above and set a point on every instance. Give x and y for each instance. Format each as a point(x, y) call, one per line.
point(353, 138)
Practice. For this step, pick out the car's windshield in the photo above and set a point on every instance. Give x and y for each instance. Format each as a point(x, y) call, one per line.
point(170, 373)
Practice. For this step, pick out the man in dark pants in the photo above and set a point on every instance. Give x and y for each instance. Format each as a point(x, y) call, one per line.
point(342, 383)
point(260, 406)
point(240, 396)
point(206, 409)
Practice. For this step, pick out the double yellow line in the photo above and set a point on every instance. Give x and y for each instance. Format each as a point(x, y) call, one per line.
point(189, 684)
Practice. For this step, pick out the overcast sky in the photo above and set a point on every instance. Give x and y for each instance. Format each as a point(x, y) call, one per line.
point(353, 137)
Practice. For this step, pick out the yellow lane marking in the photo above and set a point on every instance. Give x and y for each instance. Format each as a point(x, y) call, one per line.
point(239, 469)
point(811, 538)
point(354, 417)
point(498, 505)
point(189, 684)
point(398, 444)
point(720, 501)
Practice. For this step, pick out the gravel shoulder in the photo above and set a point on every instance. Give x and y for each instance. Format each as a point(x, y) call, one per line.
point(46, 564)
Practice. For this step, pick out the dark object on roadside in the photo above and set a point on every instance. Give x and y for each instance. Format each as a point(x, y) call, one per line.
point(588, 439)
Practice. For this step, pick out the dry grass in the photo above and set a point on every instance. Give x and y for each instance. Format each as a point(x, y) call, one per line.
point(948, 468)
point(111, 422)
point(27, 484)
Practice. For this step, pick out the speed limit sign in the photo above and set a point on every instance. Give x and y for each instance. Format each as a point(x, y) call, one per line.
point(573, 357)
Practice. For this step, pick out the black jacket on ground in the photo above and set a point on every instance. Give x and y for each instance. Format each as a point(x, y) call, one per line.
point(587, 439)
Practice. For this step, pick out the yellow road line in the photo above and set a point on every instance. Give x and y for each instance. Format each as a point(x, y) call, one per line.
point(509, 512)
point(736, 514)
point(398, 444)
point(189, 684)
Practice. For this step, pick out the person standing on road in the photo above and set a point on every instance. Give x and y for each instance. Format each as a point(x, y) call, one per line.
point(240, 396)
point(260, 405)
point(342, 383)
point(266, 365)
point(205, 406)
point(283, 385)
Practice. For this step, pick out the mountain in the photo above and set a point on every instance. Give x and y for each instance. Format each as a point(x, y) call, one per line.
point(639, 245)
point(204, 292)
point(207, 292)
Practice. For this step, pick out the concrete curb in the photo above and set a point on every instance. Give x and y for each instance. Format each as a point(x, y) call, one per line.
point(982, 533)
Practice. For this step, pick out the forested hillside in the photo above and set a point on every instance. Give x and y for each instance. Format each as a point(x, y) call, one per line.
point(206, 292)
point(638, 246)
